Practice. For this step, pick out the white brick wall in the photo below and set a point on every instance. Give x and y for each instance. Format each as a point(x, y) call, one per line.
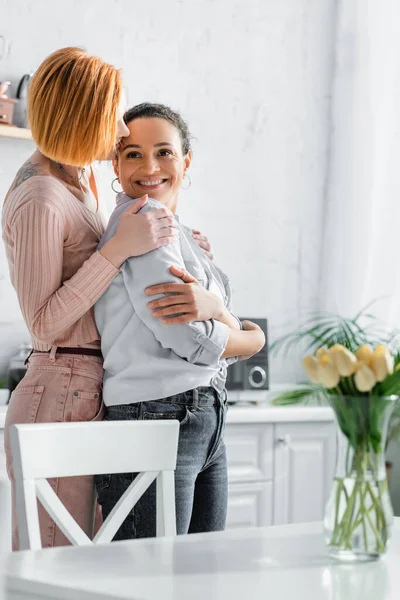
point(253, 79)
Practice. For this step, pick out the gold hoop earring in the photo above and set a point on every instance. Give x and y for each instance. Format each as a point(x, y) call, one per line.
point(186, 176)
point(112, 186)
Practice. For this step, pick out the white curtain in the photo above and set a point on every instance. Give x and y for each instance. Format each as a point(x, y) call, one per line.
point(361, 257)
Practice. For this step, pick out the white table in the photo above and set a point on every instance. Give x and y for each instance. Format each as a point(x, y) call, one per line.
point(274, 563)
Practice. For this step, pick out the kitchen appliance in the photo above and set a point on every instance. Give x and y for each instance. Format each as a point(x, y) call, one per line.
point(16, 367)
point(6, 104)
point(21, 109)
point(251, 374)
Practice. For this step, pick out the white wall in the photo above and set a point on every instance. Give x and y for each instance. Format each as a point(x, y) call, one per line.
point(362, 209)
point(253, 79)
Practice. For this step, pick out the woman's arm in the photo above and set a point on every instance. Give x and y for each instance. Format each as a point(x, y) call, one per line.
point(245, 343)
point(199, 342)
point(137, 234)
point(199, 304)
point(203, 242)
point(49, 305)
point(190, 302)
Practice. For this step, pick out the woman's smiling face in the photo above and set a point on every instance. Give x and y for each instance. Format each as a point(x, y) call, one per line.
point(150, 160)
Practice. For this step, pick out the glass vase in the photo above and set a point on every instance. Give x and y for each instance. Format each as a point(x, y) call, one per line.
point(359, 515)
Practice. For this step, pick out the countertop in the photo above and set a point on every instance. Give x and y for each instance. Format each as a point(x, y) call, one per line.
point(280, 563)
point(255, 406)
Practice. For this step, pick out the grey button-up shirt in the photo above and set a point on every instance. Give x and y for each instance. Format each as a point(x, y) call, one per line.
point(144, 358)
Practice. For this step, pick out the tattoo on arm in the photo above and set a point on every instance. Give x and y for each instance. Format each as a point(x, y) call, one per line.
point(29, 169)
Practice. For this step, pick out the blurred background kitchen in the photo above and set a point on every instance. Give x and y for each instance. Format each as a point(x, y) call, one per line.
point(294, 107)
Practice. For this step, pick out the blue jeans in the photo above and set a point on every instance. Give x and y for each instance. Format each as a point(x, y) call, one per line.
point(201, 480)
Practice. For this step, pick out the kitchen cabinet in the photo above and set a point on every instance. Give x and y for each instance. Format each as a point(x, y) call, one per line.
point(304, 459)
point(250, 504)
point(280, 464)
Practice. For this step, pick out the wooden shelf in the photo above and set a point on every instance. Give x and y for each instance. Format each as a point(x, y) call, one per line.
point(15, 132)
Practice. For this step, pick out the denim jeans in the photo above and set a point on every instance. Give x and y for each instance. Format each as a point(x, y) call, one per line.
point(201, 472)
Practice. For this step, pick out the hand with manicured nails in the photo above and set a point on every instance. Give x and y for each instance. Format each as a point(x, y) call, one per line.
point(202, 241)
point(139, 234)
point(190, 300)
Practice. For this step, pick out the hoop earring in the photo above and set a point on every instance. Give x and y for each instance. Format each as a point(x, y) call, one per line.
point(112, 186)
point(186, 176)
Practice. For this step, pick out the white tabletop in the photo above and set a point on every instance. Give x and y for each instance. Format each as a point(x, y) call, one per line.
point(276, 563)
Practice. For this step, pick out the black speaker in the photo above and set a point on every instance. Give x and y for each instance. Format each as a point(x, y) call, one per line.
point(251, 374)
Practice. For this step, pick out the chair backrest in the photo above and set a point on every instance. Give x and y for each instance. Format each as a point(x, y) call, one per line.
point(44, 450)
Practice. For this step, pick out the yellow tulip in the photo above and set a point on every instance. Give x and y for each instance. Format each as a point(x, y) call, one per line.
point(310, 364)
point(328, 373)
point(364, 379)
point(321, 352)
point(359, 365)
point(364, 353)
point(344, 360)
point(381, 362)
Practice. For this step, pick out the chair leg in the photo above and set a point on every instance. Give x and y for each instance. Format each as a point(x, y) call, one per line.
point(166, 517)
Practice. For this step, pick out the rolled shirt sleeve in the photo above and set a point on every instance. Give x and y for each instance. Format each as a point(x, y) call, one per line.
point(198, 342)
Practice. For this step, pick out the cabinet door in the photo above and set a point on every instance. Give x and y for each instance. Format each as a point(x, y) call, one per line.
point(5, 502)
point(249, 505)
point(303, 466)
point(249, 448)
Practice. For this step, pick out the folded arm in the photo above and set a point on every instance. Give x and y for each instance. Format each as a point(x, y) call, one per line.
point(199, 342)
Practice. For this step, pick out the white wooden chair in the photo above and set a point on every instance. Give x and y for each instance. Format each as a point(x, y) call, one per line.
point(44, 450)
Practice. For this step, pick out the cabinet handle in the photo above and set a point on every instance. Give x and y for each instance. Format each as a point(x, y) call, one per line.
point(283, 440)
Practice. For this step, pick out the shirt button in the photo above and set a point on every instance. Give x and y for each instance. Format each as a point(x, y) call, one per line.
point(96, 396)
point(76, 393)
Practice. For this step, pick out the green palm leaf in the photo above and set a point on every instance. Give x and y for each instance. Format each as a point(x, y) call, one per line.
point(324, 328)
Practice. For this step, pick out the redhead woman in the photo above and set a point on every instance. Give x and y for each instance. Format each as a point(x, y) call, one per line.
point(51, 228)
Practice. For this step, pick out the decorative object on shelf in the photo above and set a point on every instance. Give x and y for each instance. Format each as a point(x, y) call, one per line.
point(6, 104)
point(4, 85)
point(359, 377)
point(21, 109)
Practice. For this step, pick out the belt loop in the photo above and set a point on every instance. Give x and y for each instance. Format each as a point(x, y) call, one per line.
point(196, 398)
point(224, 395)
point(53, 351)
point(28, 357)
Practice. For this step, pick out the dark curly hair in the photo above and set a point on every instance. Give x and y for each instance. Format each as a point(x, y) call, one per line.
point(160, 111)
